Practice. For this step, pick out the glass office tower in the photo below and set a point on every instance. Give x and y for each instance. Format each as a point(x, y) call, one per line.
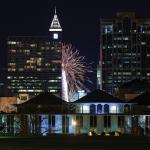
point(124, 50)
point(34, 63)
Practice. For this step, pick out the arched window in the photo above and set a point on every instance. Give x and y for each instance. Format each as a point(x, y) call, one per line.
point(126, 108)
point(99, 109)
point(92, 109)
point(121, 108)
point(106, 109)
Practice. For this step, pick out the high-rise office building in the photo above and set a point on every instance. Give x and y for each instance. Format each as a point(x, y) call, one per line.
point(34, 63)
point(98, 75)
point(124, 50)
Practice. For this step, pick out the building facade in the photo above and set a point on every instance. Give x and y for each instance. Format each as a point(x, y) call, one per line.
point(124, 50)
point(34, 63)
point(47, 124)
point(97, 113)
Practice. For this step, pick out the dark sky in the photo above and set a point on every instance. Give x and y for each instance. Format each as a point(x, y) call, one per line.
point(79, 19)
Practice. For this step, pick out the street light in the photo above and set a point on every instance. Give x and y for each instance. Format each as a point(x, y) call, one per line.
point(74, 123)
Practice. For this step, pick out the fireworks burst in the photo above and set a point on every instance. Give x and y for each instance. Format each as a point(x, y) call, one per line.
point(74, 71)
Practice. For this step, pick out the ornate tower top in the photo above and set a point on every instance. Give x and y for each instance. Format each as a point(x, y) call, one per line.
point(55, 25)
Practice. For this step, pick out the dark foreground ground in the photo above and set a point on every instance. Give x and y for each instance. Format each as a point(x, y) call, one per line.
point(75, 143)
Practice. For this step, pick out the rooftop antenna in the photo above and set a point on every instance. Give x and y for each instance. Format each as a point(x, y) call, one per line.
point(55, 10)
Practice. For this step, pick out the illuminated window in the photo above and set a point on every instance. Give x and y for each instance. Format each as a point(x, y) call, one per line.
point(106, 108)
point(126, 108)
point(107, 29)
point(85, 109)
point(125, 38)
point(55, 36)
point(33, 45)
point(38, 69)
point(99, 108)
point(27, 51)
point(148, 55)
point(12, 64)
point(13, 50)
point(113, 109)
point(143, 43)
point(148, 74)
point(39, 53)
point(39, 61)
point(92, 109)
point(47, 64)
point(56, 61)
point(120, 109)
point(138, 73)
point(53, 91)
point(127, 73)
point(11, 69)
point(53, 80)
point(12, 42)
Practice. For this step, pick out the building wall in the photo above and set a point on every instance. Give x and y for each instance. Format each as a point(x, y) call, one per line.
point(34, 65)
point(92, 108)
point(100, 123)
point(46, 124)
point(124, 50)
point(7, 104)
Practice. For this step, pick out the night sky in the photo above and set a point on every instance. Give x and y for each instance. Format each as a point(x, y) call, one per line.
point(79, 19)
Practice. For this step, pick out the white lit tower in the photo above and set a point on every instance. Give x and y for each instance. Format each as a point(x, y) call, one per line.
point(55, 29)
point(56, 51)
point(56, 36)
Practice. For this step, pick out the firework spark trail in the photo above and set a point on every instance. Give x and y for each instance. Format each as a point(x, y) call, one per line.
point(74, 71)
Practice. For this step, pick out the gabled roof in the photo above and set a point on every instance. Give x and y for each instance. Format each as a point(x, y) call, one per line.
point(136, 85)
point(55, 25)
point(143, 99)
point(45, 98)
point(99, 96)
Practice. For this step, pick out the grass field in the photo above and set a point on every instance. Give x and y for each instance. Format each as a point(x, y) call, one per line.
point(75, 143)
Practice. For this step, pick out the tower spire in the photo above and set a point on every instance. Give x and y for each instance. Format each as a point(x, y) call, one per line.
point(55, 25)
point(55, 10)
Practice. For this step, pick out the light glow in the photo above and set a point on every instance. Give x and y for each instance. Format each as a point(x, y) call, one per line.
point(74, 123)
point(55, 35)
point(55, 25)
point(55, 29)
point(64, 86)
point(113, 109)
point(74, 71)
point(85, 109)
